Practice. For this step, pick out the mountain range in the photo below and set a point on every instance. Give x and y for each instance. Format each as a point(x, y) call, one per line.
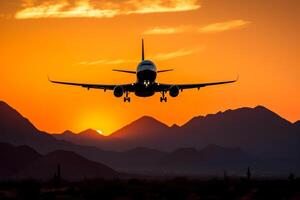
point(257, 130)
point(230, 140)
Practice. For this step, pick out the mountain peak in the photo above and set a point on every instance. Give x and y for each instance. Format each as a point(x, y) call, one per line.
point(261, 107)
point(174, 126)
point(12, 122)
point(297, 123)
point(148, 119)
point(67, 132)
point(90, 133)
point(6, 109)
point(144, 126)
point(245, 113)
point(2, 103)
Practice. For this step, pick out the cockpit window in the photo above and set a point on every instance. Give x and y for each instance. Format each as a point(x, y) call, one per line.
point(147, 62)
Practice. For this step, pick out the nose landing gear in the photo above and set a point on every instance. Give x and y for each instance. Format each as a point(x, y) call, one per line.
point(163, 98)
point(126, 98)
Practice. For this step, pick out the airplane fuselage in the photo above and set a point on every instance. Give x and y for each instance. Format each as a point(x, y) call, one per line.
point(146, 75)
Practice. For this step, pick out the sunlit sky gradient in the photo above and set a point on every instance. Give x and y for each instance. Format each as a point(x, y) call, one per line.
point(207, 40)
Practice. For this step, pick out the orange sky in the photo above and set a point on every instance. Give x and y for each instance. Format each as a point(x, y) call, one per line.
point(208, 40)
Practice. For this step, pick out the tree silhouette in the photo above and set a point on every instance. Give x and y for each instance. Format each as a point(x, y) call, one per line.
point(57, 176)
point(225, 176)
point(248, 174)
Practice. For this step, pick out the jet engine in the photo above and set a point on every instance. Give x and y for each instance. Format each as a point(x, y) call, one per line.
point(174, 91)
point(118, 91)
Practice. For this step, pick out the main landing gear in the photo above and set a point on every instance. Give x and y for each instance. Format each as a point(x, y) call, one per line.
point(163, 98)
point(126, 98)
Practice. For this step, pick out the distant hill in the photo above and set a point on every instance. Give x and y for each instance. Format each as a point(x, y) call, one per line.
point(14, 159)
point(88, 137)
point(24, 162)
point(139, 159)
point(73, 167)
point(211, 159)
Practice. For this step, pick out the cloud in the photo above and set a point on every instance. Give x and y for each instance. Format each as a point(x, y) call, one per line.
point(100, 9)
point(157, 57)
point(223, 26)
point(176, 54)
point(105, 62)
point(164, 30)
point(211, 28)
point(157, 6)
point(62, 10)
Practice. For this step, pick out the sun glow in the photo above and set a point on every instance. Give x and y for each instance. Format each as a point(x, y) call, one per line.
point(100, 132)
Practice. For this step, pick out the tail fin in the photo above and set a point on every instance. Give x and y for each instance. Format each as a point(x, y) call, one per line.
point(143, 53)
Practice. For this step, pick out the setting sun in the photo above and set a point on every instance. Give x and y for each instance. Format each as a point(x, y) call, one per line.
point(100, 132)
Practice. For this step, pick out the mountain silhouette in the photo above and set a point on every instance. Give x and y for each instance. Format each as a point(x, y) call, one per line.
point(211, 159)
point(297, 124)
point(138, 133)
point(13, 159)
point(211, 153)
point(73, 167)
point(23, 162)
point(90, 133)
point(17, 130)
point(136, 160)
point(144, 127)
point(257, 130)
point(87, 137)
point(264, 136)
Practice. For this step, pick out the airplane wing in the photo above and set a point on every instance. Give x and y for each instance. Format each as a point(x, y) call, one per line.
point(125, 71)
point(127, 87)
point(165, 70)
point(166, 87)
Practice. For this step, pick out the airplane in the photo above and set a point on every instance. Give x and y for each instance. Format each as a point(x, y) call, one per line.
point(145, 84)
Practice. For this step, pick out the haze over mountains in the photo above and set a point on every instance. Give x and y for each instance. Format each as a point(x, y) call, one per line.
point(230, 140)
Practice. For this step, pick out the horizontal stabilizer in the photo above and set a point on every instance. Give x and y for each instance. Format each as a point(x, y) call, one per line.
point(165, 70)
point(125, 71)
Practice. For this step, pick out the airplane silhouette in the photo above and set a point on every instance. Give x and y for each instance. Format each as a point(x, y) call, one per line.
point(145, 85)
